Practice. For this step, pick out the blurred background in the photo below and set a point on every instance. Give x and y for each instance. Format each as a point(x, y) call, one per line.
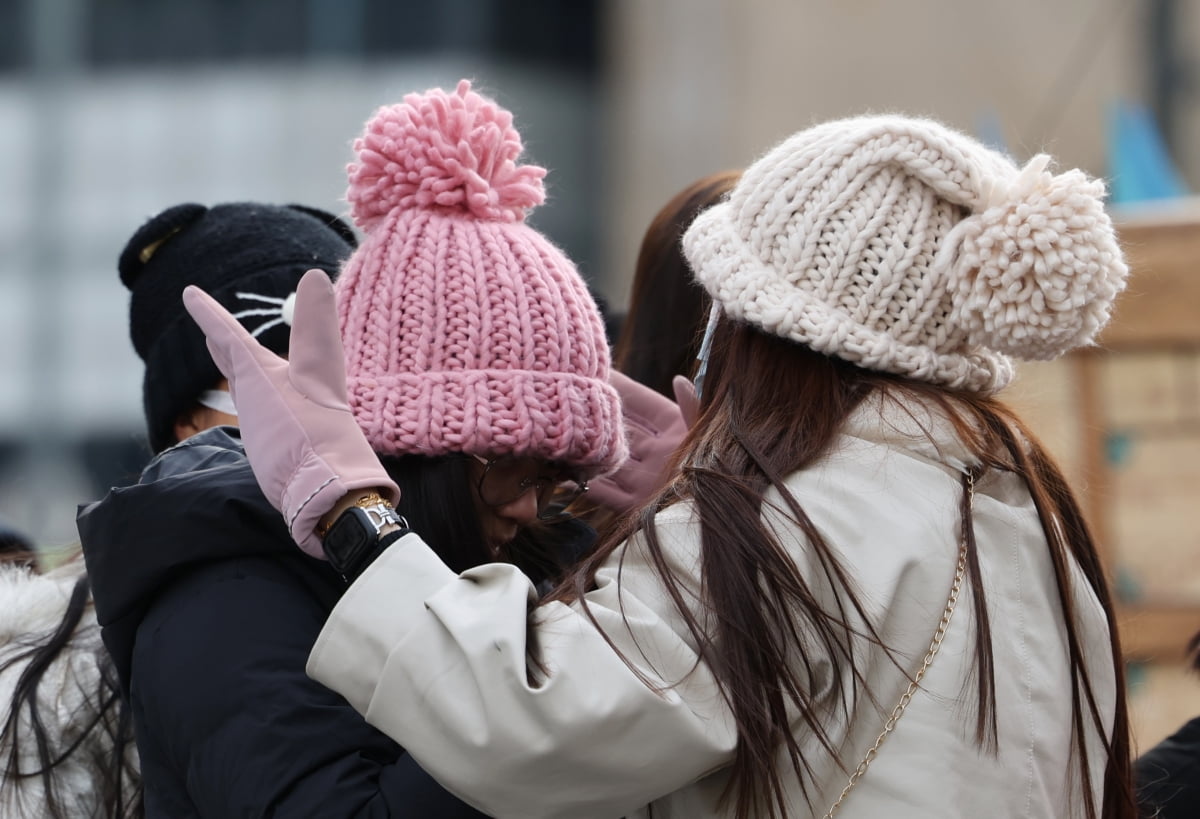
point(111, 110)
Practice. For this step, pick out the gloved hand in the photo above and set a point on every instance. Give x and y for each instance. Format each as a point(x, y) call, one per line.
point(304, 446)
point(655, 426)
point(686, 398)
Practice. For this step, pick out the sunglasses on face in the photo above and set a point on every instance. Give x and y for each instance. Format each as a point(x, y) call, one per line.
point(506, 478)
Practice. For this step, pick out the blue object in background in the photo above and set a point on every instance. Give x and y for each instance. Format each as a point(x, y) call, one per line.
point(1136, 677)
point(1117, 446)
point(1139, 165)
point(990, 132)
point(1126, 586)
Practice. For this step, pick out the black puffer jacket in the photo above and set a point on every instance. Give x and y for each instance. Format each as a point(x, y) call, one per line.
point(1168, 775)
point(209, 611)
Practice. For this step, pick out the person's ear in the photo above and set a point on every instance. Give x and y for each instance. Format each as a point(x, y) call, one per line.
point(189, 422)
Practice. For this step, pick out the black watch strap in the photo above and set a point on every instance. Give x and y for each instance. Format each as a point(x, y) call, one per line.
point(381, 543)
point(353, 541)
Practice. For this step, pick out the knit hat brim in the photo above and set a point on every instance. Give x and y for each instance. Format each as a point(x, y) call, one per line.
point(748, 291)
point(560, 417)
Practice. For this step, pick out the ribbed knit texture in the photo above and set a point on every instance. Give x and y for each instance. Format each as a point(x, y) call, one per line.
point(465, 329)
point(904, 246)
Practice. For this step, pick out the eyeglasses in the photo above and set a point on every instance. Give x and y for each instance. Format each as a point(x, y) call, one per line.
point(507, 478)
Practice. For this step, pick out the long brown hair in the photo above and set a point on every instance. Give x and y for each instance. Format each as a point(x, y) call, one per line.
point(667, 307)
point(436, 499)
point(771, 408)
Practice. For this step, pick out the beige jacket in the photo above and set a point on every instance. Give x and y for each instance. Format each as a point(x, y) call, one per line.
point(438, 661)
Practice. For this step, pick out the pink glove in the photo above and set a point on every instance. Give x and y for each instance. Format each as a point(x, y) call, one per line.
point(303, 444)
point(655, 426)
point(685, 397)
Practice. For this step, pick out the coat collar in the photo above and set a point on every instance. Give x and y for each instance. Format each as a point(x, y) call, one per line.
point(912, 425)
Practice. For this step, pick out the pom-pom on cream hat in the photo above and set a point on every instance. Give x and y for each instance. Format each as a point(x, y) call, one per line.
point(904, 246)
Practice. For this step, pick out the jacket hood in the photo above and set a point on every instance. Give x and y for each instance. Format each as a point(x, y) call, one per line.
point(32, 603)
point(79, 732)
point(195, 503)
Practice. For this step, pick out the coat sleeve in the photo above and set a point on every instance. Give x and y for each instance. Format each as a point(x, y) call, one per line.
point(439, 663)
point(219, 685)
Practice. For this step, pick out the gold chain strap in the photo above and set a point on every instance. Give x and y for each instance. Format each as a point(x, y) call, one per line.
point(938, 635)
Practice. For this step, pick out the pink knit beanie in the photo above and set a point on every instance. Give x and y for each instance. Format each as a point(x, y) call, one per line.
point(465, 329)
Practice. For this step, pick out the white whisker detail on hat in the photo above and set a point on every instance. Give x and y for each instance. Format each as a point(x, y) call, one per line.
point(248, 256)
point(281, 313)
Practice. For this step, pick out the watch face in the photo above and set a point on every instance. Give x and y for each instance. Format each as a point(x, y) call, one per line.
point(349, 539)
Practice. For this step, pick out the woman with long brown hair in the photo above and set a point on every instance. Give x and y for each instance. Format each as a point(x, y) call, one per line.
point(660, 334)
point(868, 591)
point(657, 345)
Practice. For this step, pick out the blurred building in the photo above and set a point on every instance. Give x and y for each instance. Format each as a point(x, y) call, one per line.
point(111, 111)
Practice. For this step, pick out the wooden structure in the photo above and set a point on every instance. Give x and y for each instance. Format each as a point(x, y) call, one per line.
point(1138, 418)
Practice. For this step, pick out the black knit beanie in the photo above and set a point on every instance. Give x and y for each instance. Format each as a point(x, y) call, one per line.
point(248, 257)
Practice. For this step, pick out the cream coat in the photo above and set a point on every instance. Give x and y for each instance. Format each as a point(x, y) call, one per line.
point(438, 661)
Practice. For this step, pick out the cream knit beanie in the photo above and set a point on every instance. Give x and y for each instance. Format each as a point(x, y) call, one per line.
point(901, 245)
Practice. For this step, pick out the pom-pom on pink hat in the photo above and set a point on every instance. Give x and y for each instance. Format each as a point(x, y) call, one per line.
point(465, 329)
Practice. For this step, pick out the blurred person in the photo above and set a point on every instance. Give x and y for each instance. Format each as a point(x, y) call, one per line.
point(476, 365)
point(66, 745)
point(1168, 775)
point(656, 349)
point(660, 334)
point(66, 748)
point(868, 592)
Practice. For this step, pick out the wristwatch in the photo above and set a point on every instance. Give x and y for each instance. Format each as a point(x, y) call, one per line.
point(353, 541)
